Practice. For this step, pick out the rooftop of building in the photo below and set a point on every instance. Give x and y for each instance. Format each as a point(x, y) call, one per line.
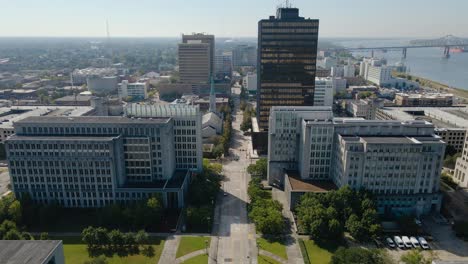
point(425, 95)
point(77, 98)
point(60, 138)
point(93, 119)
point(316, 186)
point(27, 251)
point(161, 110)
point(301, 108)
point(387, 140)
point(454, 117)
point(9, 115)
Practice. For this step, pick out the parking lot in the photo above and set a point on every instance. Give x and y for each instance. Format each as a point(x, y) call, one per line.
point(444, 245)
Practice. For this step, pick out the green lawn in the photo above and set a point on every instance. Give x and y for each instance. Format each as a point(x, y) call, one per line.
point(189, 244)
point(266, 260)
point(200, 259)
point(318, 254)
point(76, 253)
point(275, 246)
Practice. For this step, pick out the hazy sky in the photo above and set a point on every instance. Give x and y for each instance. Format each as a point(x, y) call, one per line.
point(230, 18)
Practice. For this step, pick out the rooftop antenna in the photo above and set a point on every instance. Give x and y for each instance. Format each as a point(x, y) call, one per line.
point(73, 89)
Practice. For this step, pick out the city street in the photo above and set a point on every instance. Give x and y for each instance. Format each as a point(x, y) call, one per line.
point(236, 242)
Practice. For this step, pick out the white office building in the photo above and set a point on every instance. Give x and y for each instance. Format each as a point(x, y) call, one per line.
point(400, 162)
point(339, 85)
point(460, 175)
point(91, 161)
point(135, 91)
point(375, 71)
point(323, 93)
point(250, 83)
point(349, 71)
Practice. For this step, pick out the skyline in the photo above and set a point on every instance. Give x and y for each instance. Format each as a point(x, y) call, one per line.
point(338, 18)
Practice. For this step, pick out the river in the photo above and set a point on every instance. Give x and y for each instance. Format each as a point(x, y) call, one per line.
point(425, 62)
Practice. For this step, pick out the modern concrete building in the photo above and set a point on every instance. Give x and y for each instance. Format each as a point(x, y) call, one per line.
point(206, 39)
point(375, 71)
point(287, 52)
point(136, 91)
point(96, 161)
point(425, 100)
point(31, 252)
point(244, 55)
point(349, 71)
point(102, 84)
point(460, 175)
point(400, 162)
point(339, 85)
point(323, 93)
point(364, 108)
point(454, 137)
point(250, 83)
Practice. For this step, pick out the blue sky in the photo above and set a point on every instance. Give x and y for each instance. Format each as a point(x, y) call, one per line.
point(157, 18)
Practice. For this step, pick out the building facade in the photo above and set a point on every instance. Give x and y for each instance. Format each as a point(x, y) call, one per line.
point(97, 161)
point(135, 91)
point(460, 175)
point(454, 137)
point(287, 52)
point(195, 62)
point(223, 66)
point(205, 39)
point(250, 83)
point(400, 162)
point(323, 93)
point(427, 100)
point(244, 55)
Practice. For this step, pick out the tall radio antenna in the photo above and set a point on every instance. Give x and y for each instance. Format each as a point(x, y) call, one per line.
point(108, 39)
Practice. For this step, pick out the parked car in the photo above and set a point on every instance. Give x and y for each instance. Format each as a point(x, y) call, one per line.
point(414, 242)
point(406, 241)
point(390, 242)
point(423, 243)
point(399, 242)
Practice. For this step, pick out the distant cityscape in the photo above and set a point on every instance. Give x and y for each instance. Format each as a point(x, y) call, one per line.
point(282, 149)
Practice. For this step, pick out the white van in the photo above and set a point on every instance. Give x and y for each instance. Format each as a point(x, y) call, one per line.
point(414, 242)
point(399, 242)
point(406, 241)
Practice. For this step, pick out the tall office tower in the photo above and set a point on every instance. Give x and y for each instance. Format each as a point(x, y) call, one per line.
point(244, 55)
point(194, 54)
point(194, 62)
point(286, 62)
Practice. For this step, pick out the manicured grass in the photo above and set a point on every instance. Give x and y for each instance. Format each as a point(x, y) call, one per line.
point(76, 252)
point(275, 246)
point(200, 259)
point(189, 244)
point(266, 260)
point(318, 254)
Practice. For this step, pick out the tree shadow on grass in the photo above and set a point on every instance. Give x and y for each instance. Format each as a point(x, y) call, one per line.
point(109, 252)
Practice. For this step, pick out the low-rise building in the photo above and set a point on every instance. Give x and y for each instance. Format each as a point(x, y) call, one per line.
point(135, 91)
point(454, 137)
point(323, 93)
point(429, 99)
point(250, 83)
point(364, 108)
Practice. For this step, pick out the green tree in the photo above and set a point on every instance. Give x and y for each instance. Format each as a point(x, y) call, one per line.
point(148, 251)
point(116, 238)
point(259, 168)
point(6, 226)
point(44, 236)
point(15, 212)
point(88, 236)
point(27, 236)
point(141, 237)
point(13, 234)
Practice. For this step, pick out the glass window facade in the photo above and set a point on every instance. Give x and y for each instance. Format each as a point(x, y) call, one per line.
point(287, 52)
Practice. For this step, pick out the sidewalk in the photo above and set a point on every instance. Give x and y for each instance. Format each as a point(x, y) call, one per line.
point(171, 245)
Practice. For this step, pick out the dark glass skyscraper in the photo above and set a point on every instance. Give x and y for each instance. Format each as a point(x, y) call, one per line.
point(286, 63)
